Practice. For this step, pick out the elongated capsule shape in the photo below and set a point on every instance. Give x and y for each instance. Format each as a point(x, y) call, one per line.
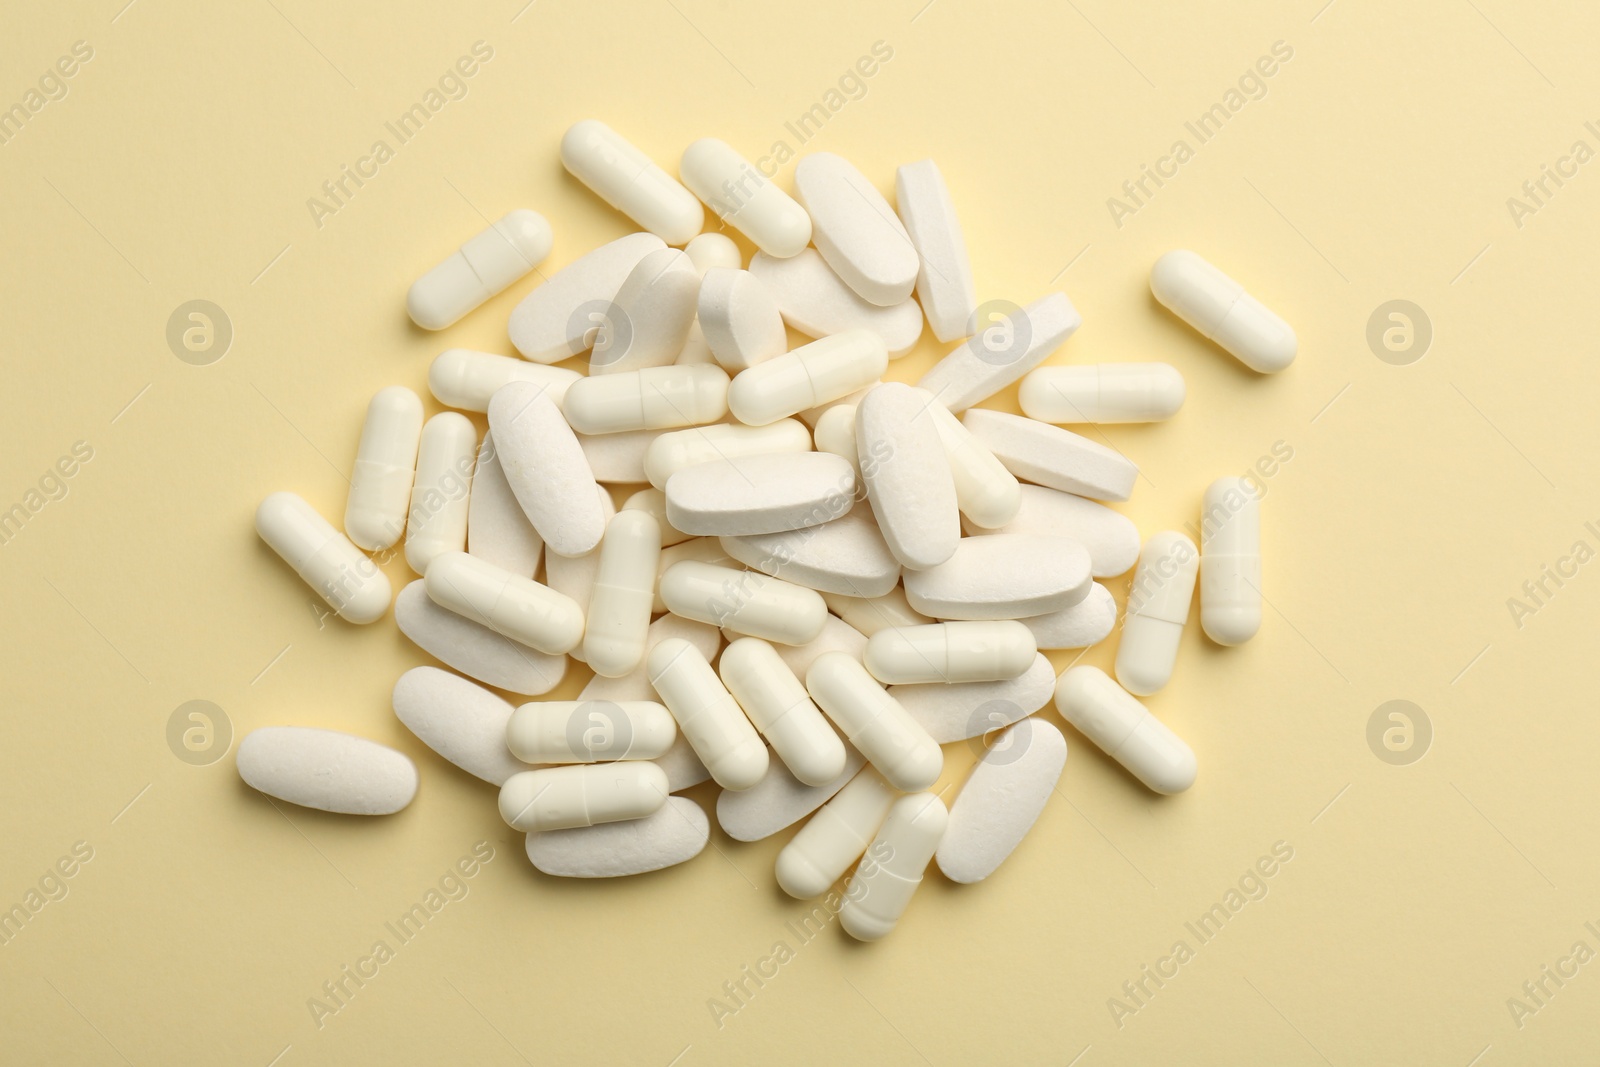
point(742, 197)
point(807, 377)
point(778, 704)
point(488, 263)
point(509, 604)
point(440, 495)
point(465, 379)
point(630, 181)
point(1230, 562)
point(1103, 393)
point(1125, 730)
point(673, 452)
point(835, 432)
point(882, 887)
point(655, 398)
point(909, 484)
point(1219, 308)
point(589, 731)
point(556, 798)
point(386, 460)
point(874, 722)
point(745, 602)
point(951, 652)
point(712, 722)
point(546, 468)
point(619, 608)
point(324, 558)
point(835, 837)
point(1158, 606)
point(987, 494)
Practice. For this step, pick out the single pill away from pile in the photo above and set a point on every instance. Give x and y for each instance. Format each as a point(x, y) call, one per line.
point(807, 377)
point(589, 731)
point(778, 705)
point(509, 604)
point(1158, 606)
point(618, 621)
point(909, 484)
point(856, 230)
point(676, 833)
point(386, 460)
point(465, 379)
point(488, 263)
point(835, 837)
point(1103, 393)
point(326, 770)
point(944, 276)
point(882, 887)
point(745, 602)
point(951, 652)
point(1125, 730)
point(440, 495)
point(707, 714)
point(556, 798)
point(656, 398)
point(742, 197)
point(1001, 800)
point(874, 722)
point(1220, 309)
point(628, 180)
point(546, 468)
point(324, 558)
point(558, 319)
point(1230, 561)
point(462, 722)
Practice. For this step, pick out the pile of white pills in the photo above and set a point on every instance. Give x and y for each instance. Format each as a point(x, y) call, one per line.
point(878, 564)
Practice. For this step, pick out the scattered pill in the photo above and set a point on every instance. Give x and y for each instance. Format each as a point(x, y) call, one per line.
point(618, 614)
point(944, 276)
point(1002, 576)
point(1001, 352)
point(987, 494)
point(1053, 457)
point(1110, 537)
point(777, 703)
point(589, 731)
point(1125, 730)
point(740, 319)
point(618, 458)
point(509, 604)
point(680, 449)
point(779, 800)
point(836, 636)
point(881, 889)
point(744, 601)
point(498, 529)
point(648, 322)
point(657, 398)
point(1220, 309)
point(908, 481)
point(586, 794)
point(675, 833)
point(1088, 622)
point(971, 709)
point(636, 685)
point(847, 555)
point(1001, 800)
point(473, 649)
point(768, 493)
point(712, 250)
point(1230, 561)
point(440, 494)
point(462, 722)
point(874, 722)
point(489, 262)
point(708, 716)
point(738, 194)
point(338, 571)
point(816, 302)
point(806, 377)
point(546, 468)
point(836, 836)
point(1158, 606)
point(464, 379)
point(871, 614)
point(326, 770)
point(856, 230)
point(1103, 393)
point(628, 180)
point(654, 503)
point(386, 461)
point(561, 317)
point(950, 652)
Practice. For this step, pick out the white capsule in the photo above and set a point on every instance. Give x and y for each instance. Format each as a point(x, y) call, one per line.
point(1001, 350)
point(654, 503)
point(1230, 562)
point(712, 250)
point(465, 379)
point(1158, 606)
point(462, 722)
point(743, 601)
point(474, 649)
point(944, 279)
point(326, 770)
point(556, 798)
point(871, 614)
point(676, 451)
point(836, 433)
point(619, 607)
point(386, 460)
point(482, 267)
point(777, 703)
point(697, 549)
point(630, 181)
point(836, 836)
point(907, 476)
point(1219, 308)
point(1053, 457)
point(740, 320)
point(1103, 393)
point(562, 317)
point(324, 558)
point(881, 889)
point(657, 398)
point(807, 377)
point(440, 496)
point(1110, 537)
point(636, 686)
point(836, 636)
point(1125, 730)
point(816, 302)
point(951, 652)
point(739, 195)
point(971, 709)
point(847, 555)
point(498, 529)
point(618, 458)
point(589, 731)
point(708, 716)
point(874, 722)
point(769, 493)
point(509, 604)
point(546, 468)
point(648, 322)
point(1002, 576)
point(856, 230)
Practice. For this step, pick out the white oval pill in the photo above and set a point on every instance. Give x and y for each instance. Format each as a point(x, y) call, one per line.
point(676, 833)
point(1053, 457)
point(739, 195)
point(836, 636)
point(809, 376)
point(464, 723)
point(950, 652)
point(847, 555)
point(324, 558)
point(675, 451)
point(654, 503)
point(1002, 576)
point(618, 458)
point(573, 576)
point(856, 230)
point(1110, 537)
point(1125, 730)
point(1001, 351)
point(874, 722)
point(657, 398)
point(836, 432)
point(987, 494)
point(498, 529)
point(509, 604)
point(648, 322)
point(546, 468)
point(816, 302)
point(386, 460)
point(465, 379)
point(871, 614)
point(556, 798)
point(473, 649)
point(743, 601)
point(489, 262)
point(1001, 800)
point(944, 278)
point(589, 731)
point(1103, 393)
point(907, 475)
point(707, 714)
point(1230, 561)
point(768, 493)
point(881, 889)
point(1218, 307)
point(835, 837)
point(1088, 622)
point(440, 495)
point(777, 703)
point(618, 615)
point(1158, 606)
point(779, 800)
point(740, 319)
point(628, 180)
point(326, 770)
point(561, 318)
point(712, 250)
point(972, 709)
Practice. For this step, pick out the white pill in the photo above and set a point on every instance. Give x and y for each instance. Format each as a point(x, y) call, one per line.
point(546, 468)
point(1088, 622)
point(636, 685)
point(573, 576)
point(326, 770)
point(809, 376)
point(1001, 800)
point(950, 652)
point(739, 195)
point(509, 604)
point(987, 494)
point(712, 250)
point(971, 709)
point(743, 601)
point(489, 262)
point(698, 549)
point(780, 799)
point(561, 318)
point(777, 703)
point(1103, 393)
point(881, 889)
point(740, 319)
point(1230, 561)
point(847, 555)
point(648, 322)
point(1004, 348)
point(836, 433)
point(673, 452)
point(630, 181)
point(1111, 537)
point(473, 649)
point(1125, 730)
point(816, 302)
point(907, 476)
point(618, 615)
point(465, 379)
point(1002, 576)
point(440, 495)
point(874, 722)
point(1158, 606)
point(682, 767)
point(836, 636)
point(654, 503)
point(498, 529)
point(811, 416)
point(556, 798)
point(871, 614)
point(944, 278)
point(386, 460)
point(1053, 457)
point(708, 716)
point(676, 833)
point(856, 230)
point(835, 837)
point(464, 723)
point(589, 731)
point(767, 493)
point(324, 558)
point(618, 458)
point(1218, 307)
point(657, 398)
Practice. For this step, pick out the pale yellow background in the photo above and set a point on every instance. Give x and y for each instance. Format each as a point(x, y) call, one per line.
point(1418, 500)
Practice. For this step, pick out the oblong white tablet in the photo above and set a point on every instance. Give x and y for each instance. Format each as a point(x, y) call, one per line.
point(491, 260)
point(1002, 576)
point(655, 398)
point(1001, 800)
point(1230, 561)
point(1217, 306)
point(738, 194)
point(1158, 607)
point(466, 379)
point(440, 492)
point(944, 279)
point(871, 614)
point(1053, 457)
point(473, 649)
point(1088, 622)
point(971, 709)
point(560, 318)
point(498, 529)
point(617, 618)
point(1125, 730)
point(806, 377)
point(907, 474)
point(779, 800)
point(1103, 393)
point(740, 319)
point(847, 555)
point(1002, 351)
point(1110, 537)
point(817, 302)
point(386, 460)
point(674, 834)
point(589, 731)
point(546, 468)
point(675, 451)
point(744, 601)
point(836, 636)
point(326, 770)
point(464, 723)
point(648, 322)
point(628, 180)
point(618, 458)
point(768, 493)
point(856, 230)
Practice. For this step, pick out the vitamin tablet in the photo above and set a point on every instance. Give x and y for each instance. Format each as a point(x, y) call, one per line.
point(386, 461)
point(618, 614)
point(1230, 561)
point(338, 571)
point(473, 649)
point(972, 709)
point(1158, 606)
point(1053, 457)
point(657, 398)
point(874, 722)
point(1125, 730)
point(482, 267)
point(809, 376)
point(675, 833)
point(739, 195)
point(589, 731)
point(944, 276)
point(743, 601)
point(835, 837)
point(558, 319)
point(987, 494)
point(846, 555)
point(555, 798)
point(871, 614)
point(1110, 537)
point(760, 494)
point(909, 486)
point(779, 800)
point(740, 319)
point(881, 889)
point(326, 770)
point(950, 652)
point(509, 604)
point(498, 529)
point(462, 722)
point(1001, 352)
point(777, 703)
point(1088, 622)
point(440, 494)
point(673, 452)
point(816, 302)
point(648, 322)
point(1220, 309)
point(618, 458)
point(1002, 576)
point(708, 716)
point(856, 230)
point(1001, 800)
point(628, 180)
point(462, 378)
point(1103, 393)
point(546, 468)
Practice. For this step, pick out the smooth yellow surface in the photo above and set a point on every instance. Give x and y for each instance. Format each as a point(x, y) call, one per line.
point(1418, 500)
